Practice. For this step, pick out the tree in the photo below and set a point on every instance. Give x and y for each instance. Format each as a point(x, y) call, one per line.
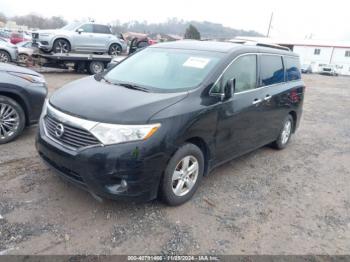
point(192, 33)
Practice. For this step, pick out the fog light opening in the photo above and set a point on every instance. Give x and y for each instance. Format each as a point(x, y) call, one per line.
point(118, 188)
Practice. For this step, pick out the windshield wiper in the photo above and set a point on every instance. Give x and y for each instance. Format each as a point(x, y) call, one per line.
point(132, 86)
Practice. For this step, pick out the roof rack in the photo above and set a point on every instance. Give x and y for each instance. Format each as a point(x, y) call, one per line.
point(256, 43)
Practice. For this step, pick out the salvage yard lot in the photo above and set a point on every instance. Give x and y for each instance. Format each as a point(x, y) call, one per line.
point(294, 201)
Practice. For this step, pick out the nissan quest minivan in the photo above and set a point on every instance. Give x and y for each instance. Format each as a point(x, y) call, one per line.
point(160, 120)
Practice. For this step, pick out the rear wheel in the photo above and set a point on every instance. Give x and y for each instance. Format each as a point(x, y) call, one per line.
point(96, 67)
point(4, 57)
point(61, 46)
point(182, 175)
point(12, 119)
point(285, 133)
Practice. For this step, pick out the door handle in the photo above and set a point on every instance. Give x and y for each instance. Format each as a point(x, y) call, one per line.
point(267, 97)
point(256, 101)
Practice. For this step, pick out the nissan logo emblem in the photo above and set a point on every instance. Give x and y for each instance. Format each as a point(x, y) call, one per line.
point(59, 130)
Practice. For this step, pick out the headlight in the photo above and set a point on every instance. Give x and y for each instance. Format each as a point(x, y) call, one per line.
point(113, 134)
point(45, 34)
point(30, 78)
point(44, 109)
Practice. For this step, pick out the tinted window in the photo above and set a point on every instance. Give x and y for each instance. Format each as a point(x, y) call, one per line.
point(271, 70)
point(243, 70)
point(101, 29)
point(292, 68)
point(87, 28)
point(317, 51)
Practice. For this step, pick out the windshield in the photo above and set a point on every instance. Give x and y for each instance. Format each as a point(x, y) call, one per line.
point(71, 26)
point(165, 70)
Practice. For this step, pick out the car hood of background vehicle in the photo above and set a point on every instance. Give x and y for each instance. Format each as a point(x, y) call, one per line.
point(107, 103)
point(17, 69)
point(53, 31)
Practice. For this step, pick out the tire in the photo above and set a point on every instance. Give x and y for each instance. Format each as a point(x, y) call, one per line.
point(174, 188)
point(96, 67)
point(285, 133)
point(61, 46)
point(23, 58)
point(12, 122)
point(4, 57)
point(115, 50)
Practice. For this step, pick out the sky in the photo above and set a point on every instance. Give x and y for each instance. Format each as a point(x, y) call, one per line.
point(297, 19)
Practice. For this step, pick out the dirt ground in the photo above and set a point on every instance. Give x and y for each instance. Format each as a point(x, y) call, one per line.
point(294, 201)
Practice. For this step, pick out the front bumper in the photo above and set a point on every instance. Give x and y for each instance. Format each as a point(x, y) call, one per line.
point(101, 169)
point(43, 42)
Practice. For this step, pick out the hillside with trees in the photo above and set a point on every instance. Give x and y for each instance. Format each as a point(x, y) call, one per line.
point(178, 27)
point(171, 26)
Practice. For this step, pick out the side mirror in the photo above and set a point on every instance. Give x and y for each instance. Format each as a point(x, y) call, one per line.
point(80, 30)
point(99, 76)
point(229, 89)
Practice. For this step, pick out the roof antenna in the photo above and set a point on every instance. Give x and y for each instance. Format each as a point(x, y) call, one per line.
point(270, 25)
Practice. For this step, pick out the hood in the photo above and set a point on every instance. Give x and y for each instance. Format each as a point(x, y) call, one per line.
point(103, 102)
point(7, 44)
point(17, 69)
point(52, 32)
point(25, 50)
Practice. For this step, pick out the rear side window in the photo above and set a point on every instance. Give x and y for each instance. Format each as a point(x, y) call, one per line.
point(271, 70)
point(292, 68)
point(101, 29)
point(243, 70)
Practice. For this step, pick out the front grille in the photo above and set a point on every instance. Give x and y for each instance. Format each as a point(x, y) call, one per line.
point(35, 35)
point(327, 69)
point(72, 136)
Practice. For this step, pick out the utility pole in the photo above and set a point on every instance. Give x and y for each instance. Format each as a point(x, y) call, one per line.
point(270, 24)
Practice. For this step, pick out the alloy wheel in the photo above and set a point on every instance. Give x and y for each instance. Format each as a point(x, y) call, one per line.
point(4, 58)
point(62, 47)
point(115, 50)
point(185, 175)
point(23, 58)
point(286, 131)
point(9, 121)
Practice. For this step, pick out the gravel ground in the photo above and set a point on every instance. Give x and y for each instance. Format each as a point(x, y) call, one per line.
point(295, 201)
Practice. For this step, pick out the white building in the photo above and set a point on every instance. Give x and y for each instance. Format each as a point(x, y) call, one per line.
point(314, 52)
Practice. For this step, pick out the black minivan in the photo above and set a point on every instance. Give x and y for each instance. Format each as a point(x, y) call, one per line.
point(163, 118)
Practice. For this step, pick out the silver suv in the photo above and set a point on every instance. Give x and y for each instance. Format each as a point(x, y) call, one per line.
point(8, 51)
point(80, 37)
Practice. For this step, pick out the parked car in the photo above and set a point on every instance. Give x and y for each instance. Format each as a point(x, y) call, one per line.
point(137, 44)
point(138, 131)
point(5, 34)
point(22, 95)
point(306, 69)
point(328, 70)
point(16, 37)
point(80, 37)
point(8, 51)
point(25, 51)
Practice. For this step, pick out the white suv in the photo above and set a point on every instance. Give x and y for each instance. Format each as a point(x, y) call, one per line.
point(80, 37)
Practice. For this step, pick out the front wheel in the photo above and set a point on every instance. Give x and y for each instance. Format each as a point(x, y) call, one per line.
point(285, 133)
point(23, 58)
point(115, 50)
point(61, 46)
point(182, 175)
point(12, 119)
